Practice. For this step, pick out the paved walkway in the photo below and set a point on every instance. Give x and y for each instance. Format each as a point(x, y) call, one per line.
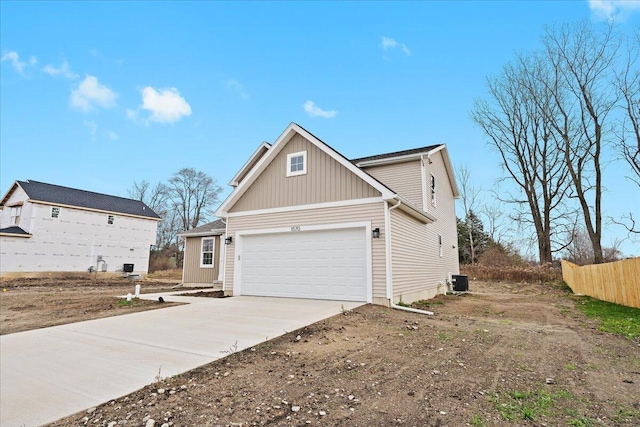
point(50, 373)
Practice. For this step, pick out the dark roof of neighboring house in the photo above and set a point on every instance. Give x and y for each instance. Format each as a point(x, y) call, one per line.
point(216, 226)
point(14, 229)
point(396, 154)
point(56, 194)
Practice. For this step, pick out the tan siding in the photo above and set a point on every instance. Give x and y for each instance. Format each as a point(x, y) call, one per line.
point(326, 180)
point(445, 212)
point(403, 178)
point(410, 255)
point(193, 273)
point(373, 212)
point(415, 258)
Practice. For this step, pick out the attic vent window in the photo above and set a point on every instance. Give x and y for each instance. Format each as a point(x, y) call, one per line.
point(297, 163)
point(110, 219)
point(433, 191)
point(55, 212)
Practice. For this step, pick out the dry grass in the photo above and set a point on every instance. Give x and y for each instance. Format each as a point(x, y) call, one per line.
point(172, 274)
point(523, 273)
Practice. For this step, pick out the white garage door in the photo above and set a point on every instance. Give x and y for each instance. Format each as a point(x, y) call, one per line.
point(326, 264)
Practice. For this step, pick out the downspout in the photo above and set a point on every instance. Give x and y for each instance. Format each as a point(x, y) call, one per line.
point(387, 218)
point(223, 266)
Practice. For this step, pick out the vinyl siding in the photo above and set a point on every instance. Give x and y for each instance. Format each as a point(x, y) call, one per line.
point(193, 273)
point(373, 212)
point(326, 180)
point(403, 178)
point(415, 257)
point(445, 212)
point(410, 254)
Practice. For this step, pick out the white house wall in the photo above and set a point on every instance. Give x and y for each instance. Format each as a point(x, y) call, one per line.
point(72, 242)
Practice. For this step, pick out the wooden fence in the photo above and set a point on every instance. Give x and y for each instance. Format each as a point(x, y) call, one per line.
point(617, 282)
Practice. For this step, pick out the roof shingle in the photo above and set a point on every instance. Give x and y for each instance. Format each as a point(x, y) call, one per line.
point(49, 193)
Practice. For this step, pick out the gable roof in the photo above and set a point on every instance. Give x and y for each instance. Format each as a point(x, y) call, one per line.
point(277, 146)
point(355, 166)
point(65, 196)
point(214, 228)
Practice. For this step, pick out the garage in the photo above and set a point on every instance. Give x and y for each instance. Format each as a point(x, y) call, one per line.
point(317, 264)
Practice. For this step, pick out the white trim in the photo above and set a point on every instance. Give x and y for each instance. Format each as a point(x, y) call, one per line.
point(216, 232)
point(274, 150)
point(303, 171)
point(237, 262)
point(234, 181)
point(423, 183)
point(341, 203)
point(391, 160)
point(221, 255)
point(213, 252)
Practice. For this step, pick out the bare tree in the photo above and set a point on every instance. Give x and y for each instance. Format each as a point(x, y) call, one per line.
point(155, 197)
point(628, 136)
point(469, 197)
point(581, 59)
point(516, 118)
point(193, 194)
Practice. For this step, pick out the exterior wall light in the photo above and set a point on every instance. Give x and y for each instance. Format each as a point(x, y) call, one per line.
point(228, 240)
point(375, 233)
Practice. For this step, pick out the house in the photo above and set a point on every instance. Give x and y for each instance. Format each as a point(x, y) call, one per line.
point(303, 221)
point(203, 255)
point(46, 228)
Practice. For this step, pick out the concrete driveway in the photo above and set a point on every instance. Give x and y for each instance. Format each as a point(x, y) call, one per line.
point(49, 373)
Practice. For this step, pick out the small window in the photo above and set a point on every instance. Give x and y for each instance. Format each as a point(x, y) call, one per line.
point(206, 254)
point(433, 190)
point(55, 212)
point(297, 163)
point(110, 219)
point(15, 214)
point(440, 245)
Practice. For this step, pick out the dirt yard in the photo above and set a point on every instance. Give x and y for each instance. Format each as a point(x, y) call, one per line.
point(504, 354)
point(38, 303)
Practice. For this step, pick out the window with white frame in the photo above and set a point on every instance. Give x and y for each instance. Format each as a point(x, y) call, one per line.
point(440, 248)
point(16, 211)
point(433, 190)
point(55, 212)
point(110, 219)
point(206, 252)
point(297, 163)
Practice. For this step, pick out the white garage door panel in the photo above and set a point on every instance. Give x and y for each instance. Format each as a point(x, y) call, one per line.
point(323, 264)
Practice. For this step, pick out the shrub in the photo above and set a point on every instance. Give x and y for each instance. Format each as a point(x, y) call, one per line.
point(520, 273)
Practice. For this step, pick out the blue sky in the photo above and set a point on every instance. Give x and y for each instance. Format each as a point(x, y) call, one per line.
point(96, 95)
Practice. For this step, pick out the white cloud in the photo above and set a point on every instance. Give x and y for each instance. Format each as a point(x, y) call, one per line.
point(14, 58)
point(235, 85)
point(165, 105)
point(113, 136)
point(63, 71)
point(613, 9)
point(389, 43)
point(90, 93)
point(315, 111)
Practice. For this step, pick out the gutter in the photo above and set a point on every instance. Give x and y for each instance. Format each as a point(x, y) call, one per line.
point(387, 218)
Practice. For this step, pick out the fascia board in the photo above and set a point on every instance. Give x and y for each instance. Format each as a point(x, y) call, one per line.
point(234, 181)
point(449, 167)
point(275, 149)
point(248, 180)
point(8, 193)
